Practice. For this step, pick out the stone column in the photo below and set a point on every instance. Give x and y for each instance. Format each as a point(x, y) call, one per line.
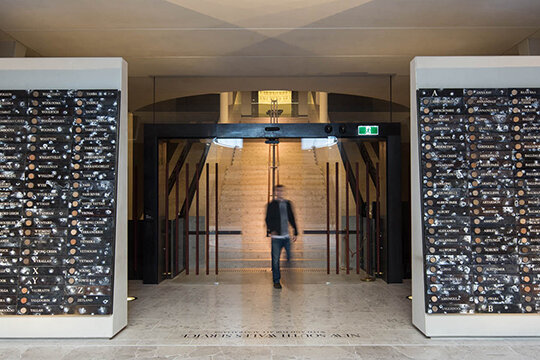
point(224, 107)
point(303, 103)
point(323, 107)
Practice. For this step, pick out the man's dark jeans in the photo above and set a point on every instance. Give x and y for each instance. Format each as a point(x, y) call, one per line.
point(277, 245)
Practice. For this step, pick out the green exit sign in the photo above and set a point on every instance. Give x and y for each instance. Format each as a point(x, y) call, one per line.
point(368, 130)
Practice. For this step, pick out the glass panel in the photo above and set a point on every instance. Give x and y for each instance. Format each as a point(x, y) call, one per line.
point(183, 162)
point(243, 190)
point(355, 153)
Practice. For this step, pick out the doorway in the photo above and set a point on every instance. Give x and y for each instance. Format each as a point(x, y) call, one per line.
point(206, 187)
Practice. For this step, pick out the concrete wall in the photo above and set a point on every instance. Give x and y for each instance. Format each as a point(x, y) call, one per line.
point(142, 88)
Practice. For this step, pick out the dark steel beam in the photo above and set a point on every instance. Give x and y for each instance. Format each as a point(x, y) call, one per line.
point(152, 266)
point(254, 131)
point(392, 246)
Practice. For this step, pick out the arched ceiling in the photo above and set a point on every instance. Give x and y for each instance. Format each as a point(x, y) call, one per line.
point(270, 38)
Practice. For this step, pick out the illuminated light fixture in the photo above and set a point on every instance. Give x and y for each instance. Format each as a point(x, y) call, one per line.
point(314, 143)
point(131, 298)
point(230, 143)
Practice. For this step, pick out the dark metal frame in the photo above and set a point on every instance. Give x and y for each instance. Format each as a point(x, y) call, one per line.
point(390, 132)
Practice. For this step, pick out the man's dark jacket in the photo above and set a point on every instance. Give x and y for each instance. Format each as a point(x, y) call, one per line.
point(273, 222)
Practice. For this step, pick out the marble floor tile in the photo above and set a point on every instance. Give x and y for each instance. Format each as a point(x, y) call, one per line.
point(314, 352)
point(378, 352)
point(314, 316)
point(45, 352)
point(11, 353)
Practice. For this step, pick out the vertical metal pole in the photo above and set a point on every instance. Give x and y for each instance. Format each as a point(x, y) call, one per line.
point(207, 219)
point(270, 190)
point(378, 222)
point(277, 163)
point(166, 211)
point(217, 227)
point(337, 218)
point(328, 218)
point(176, 212)
point(186, 220)
point(357, 220)
point(368, 225)
point(392, 243)
point(273, 167)
point(197, 219)
point(347, 217)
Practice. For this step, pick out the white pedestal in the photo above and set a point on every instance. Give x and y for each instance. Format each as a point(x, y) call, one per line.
point(462, 72)
point(78, 73)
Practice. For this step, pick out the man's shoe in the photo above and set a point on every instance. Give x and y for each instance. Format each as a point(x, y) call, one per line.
point(277, 285)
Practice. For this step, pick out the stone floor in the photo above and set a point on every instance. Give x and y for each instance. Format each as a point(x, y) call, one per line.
point(240, 316)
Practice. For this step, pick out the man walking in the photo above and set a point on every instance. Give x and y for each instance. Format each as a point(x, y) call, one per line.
point(279, 214)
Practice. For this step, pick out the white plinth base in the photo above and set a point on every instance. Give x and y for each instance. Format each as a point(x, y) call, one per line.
point(503, 325)
point(59, 327)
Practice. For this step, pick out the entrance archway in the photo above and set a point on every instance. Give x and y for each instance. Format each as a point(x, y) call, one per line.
point(163, 245)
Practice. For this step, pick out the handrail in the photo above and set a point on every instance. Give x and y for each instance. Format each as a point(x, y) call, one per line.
point(353, 180)
point(193, 184)
point(367, 160)
point(178, 165)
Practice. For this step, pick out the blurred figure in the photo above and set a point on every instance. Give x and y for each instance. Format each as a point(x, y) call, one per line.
point(279, 213)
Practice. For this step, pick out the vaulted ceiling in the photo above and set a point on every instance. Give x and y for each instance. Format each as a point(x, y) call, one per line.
point(270, 38)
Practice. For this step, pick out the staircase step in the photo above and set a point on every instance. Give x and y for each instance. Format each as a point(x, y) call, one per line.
point(242, 207)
